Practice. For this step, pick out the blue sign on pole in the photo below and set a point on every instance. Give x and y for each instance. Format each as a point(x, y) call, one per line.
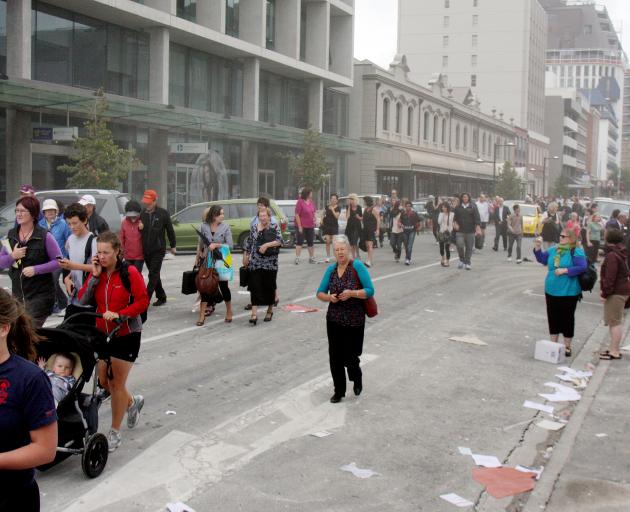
point(42, 134)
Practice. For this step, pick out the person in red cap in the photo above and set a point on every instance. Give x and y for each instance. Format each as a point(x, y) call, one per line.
point(155, 224)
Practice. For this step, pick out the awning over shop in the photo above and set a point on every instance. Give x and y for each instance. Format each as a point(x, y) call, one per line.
point(36, 96)
point(583, 182)
point(404, 159)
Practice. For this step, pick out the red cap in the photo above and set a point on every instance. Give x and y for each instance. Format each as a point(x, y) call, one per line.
point(149, 196)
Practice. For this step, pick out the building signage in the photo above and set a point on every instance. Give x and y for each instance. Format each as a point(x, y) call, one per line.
point(65, 133)
point(42, 134)
point(189, 147)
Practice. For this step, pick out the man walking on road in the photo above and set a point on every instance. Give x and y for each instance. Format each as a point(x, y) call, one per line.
point(96, 223)
point(155, 224)
point(501, 213)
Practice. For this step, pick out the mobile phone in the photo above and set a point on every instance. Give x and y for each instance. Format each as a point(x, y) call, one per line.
point(58, 258)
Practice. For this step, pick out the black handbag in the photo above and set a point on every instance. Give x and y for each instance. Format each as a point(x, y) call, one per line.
point(269, 235)
point(243, 276)
point(188, 281)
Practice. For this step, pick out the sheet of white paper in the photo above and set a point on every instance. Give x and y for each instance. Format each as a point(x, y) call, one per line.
point(539, 407)
point(527, 469)
point(464, 451)
point(472, 340)
point(321, 433)
point(358, 472)
point(178, 507)
point(550, 425)
point(456, 500)
point(170, 413)
point(487, 461)
point(575, 373)
point(560, 397)
point(601, 435)
point(561, 387)
point(626, 348)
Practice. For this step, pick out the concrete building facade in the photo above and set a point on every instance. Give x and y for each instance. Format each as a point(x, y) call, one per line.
point(625, 129)
point(426, 140)
point(240, 80)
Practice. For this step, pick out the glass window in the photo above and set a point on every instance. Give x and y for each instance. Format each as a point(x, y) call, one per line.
point(435, 128)
point(447, 3)
point(473, 80)
point(177, 75)
point(231, 17)
point(385, 114)
point(444, 41)
point(127, 62)
point(465, 141)
point(409, 121)
point(398, 117)
point(335, 118)
point(53, 45)
point(475, 19)
point(473, 60)
point(187, 9)
point(443, 132)
point(457, 137)
point(271, 24)
point(445, 61)
point(88, 53)
point(425, 126)
point(191, 214)
point(283, 100)
point(447, 21)
point(475, 39)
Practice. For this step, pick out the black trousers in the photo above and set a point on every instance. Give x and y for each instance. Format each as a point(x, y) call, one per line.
point(24, 499)
point(345, 345)
point(561, 314)
point(154, 265)
point(501, 232)
point(139, 264)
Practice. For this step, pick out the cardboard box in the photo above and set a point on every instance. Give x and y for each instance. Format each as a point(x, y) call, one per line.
point(549, 352)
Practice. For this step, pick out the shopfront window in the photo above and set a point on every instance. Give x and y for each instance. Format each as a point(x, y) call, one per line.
point(205, 82)
point(76, 50)
point(283, 100)
point(335, 112)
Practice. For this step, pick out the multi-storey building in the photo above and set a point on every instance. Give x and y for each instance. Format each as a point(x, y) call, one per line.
point(625, 130)
point(496, 48)
point(239, 81)
point(426, 140)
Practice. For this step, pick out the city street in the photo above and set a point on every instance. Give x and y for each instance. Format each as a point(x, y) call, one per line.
point(230, 408)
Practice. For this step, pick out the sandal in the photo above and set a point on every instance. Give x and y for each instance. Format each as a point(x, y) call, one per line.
point(268, 316)
point(567, 351)
point(607, 356)
point(200, 323)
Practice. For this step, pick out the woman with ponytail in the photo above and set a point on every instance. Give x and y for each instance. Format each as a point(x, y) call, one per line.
point(28, 420)
point(120, 295)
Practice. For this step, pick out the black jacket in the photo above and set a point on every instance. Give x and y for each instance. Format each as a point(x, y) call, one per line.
point(97, 224)
point(495, 214)
point(467, 218)
point(155, 226)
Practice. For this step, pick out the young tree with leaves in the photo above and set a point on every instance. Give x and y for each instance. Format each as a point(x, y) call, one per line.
point(98, 161)
point(509, 183)
point(561, 186)
point(309, 169)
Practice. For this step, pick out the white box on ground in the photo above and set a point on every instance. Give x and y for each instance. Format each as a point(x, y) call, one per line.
point(549, 352)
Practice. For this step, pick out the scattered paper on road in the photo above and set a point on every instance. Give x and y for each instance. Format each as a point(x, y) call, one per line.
point(296, 308)
point(550, 425)
point(358, 472)
point(562, 394)
point(504, 482)
point(488, 461)
point(456, 500)
point(578, 374)
point(472, 340)
point(321, 433)
point(528, 469)
point(430, 310)
point(171, 413)
point(464, 451)
point(601, 435)
point(539, 407)
point(626, 348)
point(178, 507)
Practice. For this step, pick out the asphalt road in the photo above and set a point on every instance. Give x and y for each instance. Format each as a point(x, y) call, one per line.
point(247, 398)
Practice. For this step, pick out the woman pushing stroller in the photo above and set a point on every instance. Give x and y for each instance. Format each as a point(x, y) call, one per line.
point(118, 291)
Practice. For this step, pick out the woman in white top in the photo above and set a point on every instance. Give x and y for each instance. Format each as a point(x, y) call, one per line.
point(445, 229)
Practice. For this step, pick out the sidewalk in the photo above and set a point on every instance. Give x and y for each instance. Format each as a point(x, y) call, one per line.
point(594, 472)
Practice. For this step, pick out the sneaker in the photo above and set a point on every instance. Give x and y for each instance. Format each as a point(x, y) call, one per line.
point(407, 262)
point(460, 264)
point(61, 313)
point(368, 264)
point(396, 260)
point(519, 261)
point(468, 267)
point(113, 440)
point(312, 260)
point(509, 258)
point(133, 412)
point(102, 394)
point(297, 261)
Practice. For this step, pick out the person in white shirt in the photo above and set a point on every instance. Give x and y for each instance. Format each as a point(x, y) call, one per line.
point(484, 216)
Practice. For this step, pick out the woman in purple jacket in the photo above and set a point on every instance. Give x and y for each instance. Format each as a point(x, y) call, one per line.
point(31, 255)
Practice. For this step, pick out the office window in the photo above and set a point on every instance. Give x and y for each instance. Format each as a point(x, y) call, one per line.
point(578, 71)
point(475, 39)
point(445, 61)
point(447, 21)
point(271, 24)
point(457, 135)
point(385, 114)
point(410, 121)
point(425, 127)
point(465, 142)
point(475, 19)
point(445, 41)
point(443, 132)
point(231, 17)
point(398, 117)
point(578, 83)
point(483, 144)
point(335, 114)
point(473, 80)
point(436, 120)
point(283, 100)
point(475, 3)
point(187, 9)
point(588, 29)
point(473, 60)
point(447, 4)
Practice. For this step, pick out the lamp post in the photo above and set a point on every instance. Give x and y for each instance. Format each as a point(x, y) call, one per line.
point(544, 190)
point(494, 165)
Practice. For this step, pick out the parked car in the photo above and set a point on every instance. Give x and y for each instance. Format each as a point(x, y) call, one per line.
point(532, 216)
point(238, 215)
point(110, 204)
point(606, 206)
point(288, 208)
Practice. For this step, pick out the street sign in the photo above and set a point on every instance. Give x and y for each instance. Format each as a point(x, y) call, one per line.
point(65, 133)
point(42, 134)
point(189, 147)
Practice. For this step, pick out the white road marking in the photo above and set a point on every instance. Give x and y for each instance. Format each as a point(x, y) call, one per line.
point(177, 465)
point(532, 294)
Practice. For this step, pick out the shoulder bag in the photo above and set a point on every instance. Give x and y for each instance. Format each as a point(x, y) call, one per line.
point(269, 235)
point(207, 281)
point(369, 305)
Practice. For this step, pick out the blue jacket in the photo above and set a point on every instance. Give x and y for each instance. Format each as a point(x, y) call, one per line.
point(565, 285)
point(362, 272)
point(60, 232)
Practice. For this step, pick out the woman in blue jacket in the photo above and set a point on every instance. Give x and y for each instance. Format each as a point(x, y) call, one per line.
point(345, 285)
point(565, 262)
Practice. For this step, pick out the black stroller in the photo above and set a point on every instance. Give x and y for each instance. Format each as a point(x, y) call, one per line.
point(77, 412)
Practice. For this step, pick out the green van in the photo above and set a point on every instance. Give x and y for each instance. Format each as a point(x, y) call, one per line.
point(238, 215)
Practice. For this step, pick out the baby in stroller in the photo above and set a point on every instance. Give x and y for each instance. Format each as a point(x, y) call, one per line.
point(61, 376)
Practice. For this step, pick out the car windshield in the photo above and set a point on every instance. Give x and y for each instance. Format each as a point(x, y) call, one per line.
point(288, 210)
point(606, 208)
point(528, 210)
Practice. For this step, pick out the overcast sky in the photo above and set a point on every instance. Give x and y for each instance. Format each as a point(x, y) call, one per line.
point(375, 27)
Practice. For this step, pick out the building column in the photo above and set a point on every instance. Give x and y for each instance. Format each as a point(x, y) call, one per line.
point(249, 169)
point(211, 14)
point(252, 22)
point(315, 104)
point(317, 33)
point(341, 45)
point(19, 39)
point(159, 44)
point(288, 28)
point(19, 157)
point(251, 88)
point(157, 166)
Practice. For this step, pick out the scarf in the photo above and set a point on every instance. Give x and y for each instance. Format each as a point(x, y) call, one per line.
point(560, 250)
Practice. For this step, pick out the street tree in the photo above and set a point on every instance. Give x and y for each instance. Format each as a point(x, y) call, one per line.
point(309, 168)
point(508, 182)
point(98, 161)
point(561, 186)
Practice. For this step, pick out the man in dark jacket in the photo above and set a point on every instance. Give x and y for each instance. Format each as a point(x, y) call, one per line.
point(500, 216)
point(96, 223)
point(467, 224)
point(155, 223)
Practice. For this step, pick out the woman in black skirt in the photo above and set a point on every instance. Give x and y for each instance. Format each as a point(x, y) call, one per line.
point(330, 223)
point(370, 228)
point(354, 226)
point(261, 259)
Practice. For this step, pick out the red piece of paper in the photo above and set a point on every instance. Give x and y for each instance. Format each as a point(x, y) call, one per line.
point(295, 308)
point(503, 482)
